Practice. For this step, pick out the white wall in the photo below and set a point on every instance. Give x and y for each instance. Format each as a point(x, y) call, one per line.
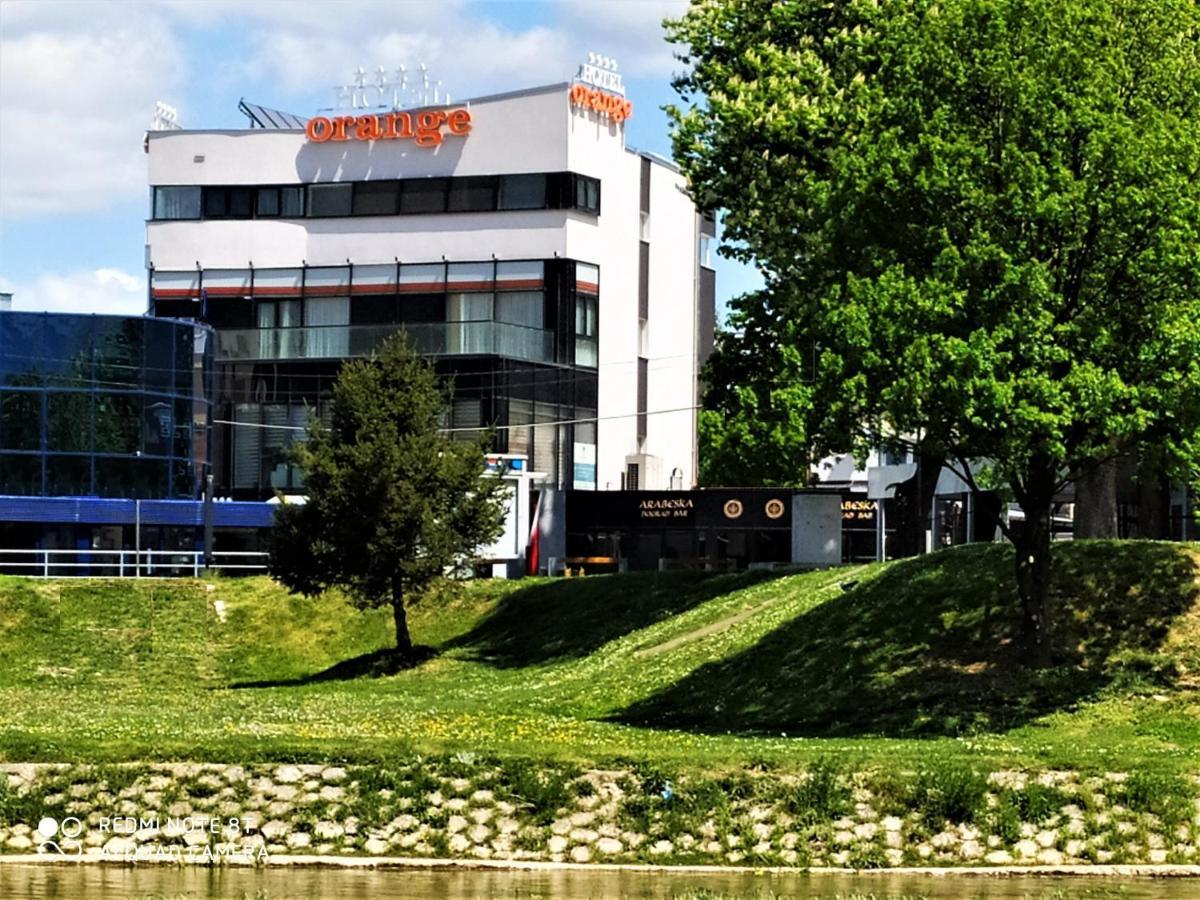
point(509, 133)
point(537, 234)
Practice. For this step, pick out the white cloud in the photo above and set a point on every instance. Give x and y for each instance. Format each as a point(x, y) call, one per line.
point(73, 107)
point(629, 30)
point(78, 79)
point(89, 291)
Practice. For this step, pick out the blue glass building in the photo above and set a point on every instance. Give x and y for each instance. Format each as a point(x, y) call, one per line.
point(103, 406)
point(105, 427)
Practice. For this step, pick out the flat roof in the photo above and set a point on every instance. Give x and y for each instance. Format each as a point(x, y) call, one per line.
point(487, 98)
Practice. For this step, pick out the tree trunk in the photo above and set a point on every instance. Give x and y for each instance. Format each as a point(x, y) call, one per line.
point(1096, 501)
point(914, 506)
point(400, 617)
point(1033, 569)
point(1154, 501)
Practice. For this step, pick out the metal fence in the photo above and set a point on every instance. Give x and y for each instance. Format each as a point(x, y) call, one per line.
point(129, 563)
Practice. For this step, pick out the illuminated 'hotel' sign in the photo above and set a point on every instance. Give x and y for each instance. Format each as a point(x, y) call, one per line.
point(425, 128)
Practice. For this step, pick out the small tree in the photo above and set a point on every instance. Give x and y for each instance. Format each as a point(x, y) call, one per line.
point(393, 502)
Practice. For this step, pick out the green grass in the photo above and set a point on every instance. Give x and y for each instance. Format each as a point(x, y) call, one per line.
point(915, 663)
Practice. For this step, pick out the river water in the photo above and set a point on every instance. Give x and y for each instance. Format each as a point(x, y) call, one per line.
point(93, 882)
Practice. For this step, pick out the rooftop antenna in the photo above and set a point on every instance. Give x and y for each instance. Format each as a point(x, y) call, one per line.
point(166, 118)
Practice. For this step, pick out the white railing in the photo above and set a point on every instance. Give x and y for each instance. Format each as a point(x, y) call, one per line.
point(128, 563)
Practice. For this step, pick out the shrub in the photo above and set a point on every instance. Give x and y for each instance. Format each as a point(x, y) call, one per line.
point(1035, 802)
point(1167, 796)
point(542, 791)
point(890, 794)
point(821, 796)
point(949, 792)
point(1141, 670)
point(1006, 820)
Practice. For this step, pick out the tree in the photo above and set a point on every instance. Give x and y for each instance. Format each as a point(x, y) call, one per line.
point(986, 215)
point(754, 425)
point(392, 502)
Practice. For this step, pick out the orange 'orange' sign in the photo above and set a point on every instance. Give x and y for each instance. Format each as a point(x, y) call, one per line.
point(613, 106)
point(423, 128)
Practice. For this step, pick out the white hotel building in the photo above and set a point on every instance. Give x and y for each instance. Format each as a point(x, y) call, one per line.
point(558, 276)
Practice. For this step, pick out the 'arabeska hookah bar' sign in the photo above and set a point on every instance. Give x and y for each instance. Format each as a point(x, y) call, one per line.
point(598, 87)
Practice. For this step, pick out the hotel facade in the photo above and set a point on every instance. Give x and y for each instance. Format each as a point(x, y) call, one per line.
point(557, 276)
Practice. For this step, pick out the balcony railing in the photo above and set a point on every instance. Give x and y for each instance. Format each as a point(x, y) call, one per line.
point(432, 339)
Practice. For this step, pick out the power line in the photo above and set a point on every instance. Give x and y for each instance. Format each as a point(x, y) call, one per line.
point(582, 421)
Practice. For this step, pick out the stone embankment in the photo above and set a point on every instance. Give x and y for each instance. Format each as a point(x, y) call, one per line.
point(463, 807)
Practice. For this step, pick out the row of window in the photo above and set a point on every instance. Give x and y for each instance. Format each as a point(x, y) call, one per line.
point(96, 476)
point(101, 422)
point(410, 196)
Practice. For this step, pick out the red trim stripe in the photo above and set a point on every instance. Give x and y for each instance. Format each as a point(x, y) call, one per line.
point(320, 290)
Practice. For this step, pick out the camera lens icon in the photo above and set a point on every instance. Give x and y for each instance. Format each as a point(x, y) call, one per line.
point(70, 827)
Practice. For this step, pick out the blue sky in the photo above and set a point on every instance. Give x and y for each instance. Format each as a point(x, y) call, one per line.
point(79, 80)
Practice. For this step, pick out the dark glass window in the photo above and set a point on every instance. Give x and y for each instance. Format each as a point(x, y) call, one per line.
point(330, 199)
point(373, 310)
point(376, 198)
point(291, 202)
point(177, 203)
point(69, 421)
point(229, 312)
point(267, 203)
point(20, 475)
point(118, 351)
point(160, 344)
point(424, 195)
point(68, 476)
point(587, 194)
point(227, 202)
point(118, 423)
point(115, 476)
point(238, 203)
point(585, 316)
point(287, 202)
point(423, 308)
point(214, 203)
point(522, 192)
point(20, 420)
point(472, 194)
point(182, 429)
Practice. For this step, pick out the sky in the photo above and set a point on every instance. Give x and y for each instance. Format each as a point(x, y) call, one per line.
point(79, 80)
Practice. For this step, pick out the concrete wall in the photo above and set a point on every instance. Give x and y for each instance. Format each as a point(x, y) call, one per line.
point(817, 529)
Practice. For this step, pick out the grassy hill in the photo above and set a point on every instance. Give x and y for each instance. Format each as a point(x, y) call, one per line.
point(914, 658)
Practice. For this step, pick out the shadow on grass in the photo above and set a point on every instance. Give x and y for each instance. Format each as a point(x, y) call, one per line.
point(928, 647)
point(570, 618)
point(377, 664)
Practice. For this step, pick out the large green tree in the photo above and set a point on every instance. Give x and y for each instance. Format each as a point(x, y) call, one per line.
point(984, 213)
point(393, 502)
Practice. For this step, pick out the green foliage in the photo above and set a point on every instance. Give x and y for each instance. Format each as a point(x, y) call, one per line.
point(392, 501)
point(977, 220)
point(1136, 669)
point(540, 790)
point(1033, 803)
point(821, 796)
point(1167, 796)
point(950, 792)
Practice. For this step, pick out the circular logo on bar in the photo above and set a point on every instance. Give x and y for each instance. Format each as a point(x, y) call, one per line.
point(774, 508)
point(733, 509)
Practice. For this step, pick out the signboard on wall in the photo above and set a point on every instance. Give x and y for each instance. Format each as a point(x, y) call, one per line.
point(425, 128)
point(599, 88)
